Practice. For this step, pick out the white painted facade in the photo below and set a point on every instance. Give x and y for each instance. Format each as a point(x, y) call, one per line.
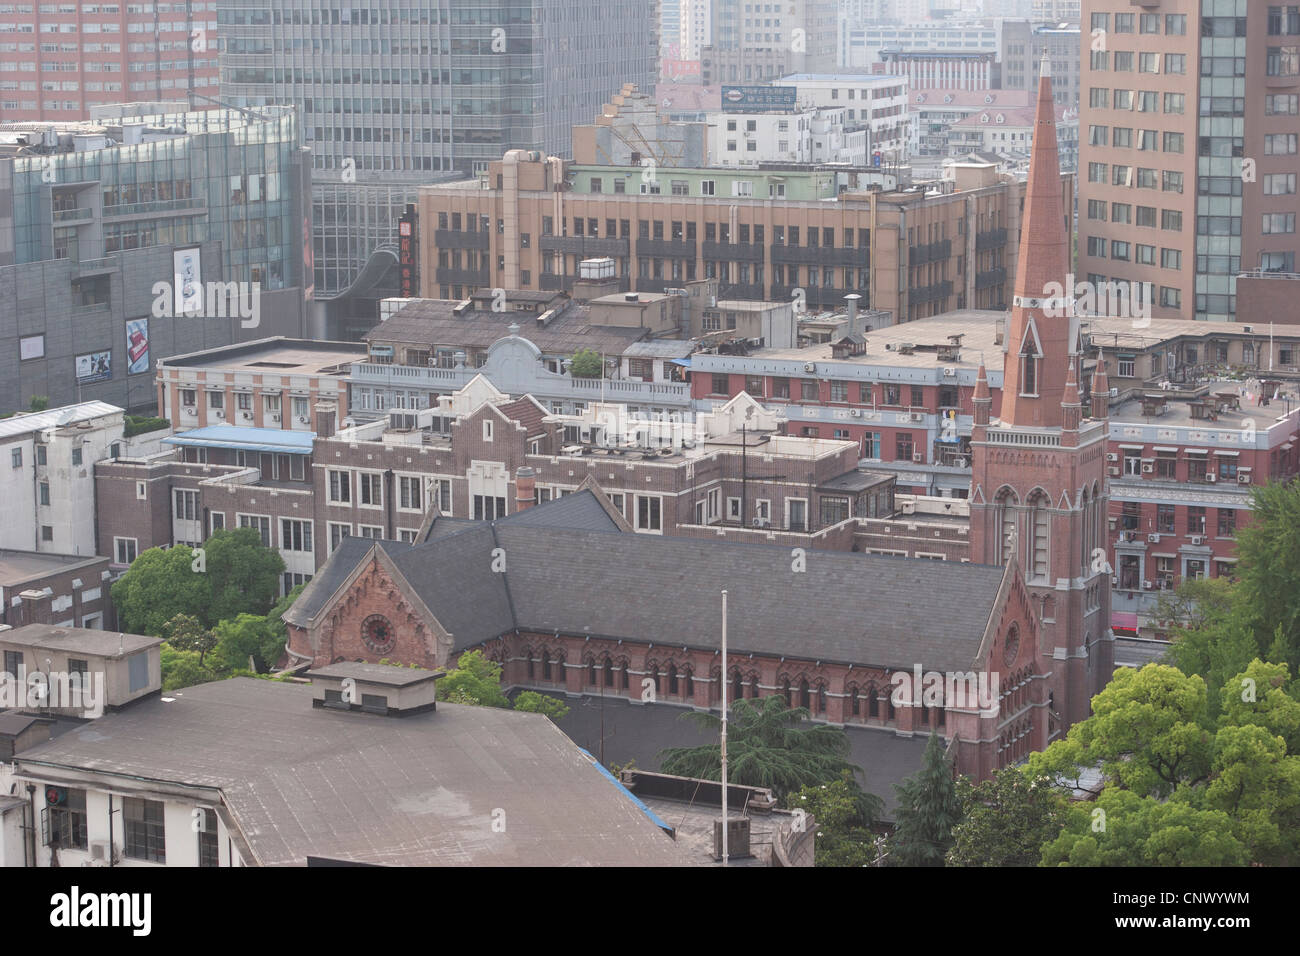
point(878, 104)
point(47, 462)
point(695, 29)
point(860, 40)
point(809, 136)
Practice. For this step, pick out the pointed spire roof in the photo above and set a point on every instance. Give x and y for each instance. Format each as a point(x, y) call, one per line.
point(1042, 305)
point(1071, 396)
point(982, 393)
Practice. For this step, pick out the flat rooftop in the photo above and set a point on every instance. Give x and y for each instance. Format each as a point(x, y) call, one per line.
point(1119, 333)
point(276, 356)
point(27, 422)
point(81, 640)
point(17, 567)
point(978, 327)
point(1179, 404)
point(427, 789)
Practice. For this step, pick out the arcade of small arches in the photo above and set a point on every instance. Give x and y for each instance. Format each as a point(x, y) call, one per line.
point(833, 693)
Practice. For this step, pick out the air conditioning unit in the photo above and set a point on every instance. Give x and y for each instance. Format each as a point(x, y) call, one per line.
point(99, 850)
point(855, 412)
point(1153, 538)
point(1111, 456)
point(1146, 585)
point(1113, 472)
point(275, 418)
point(949, 372)
point(810, 366)
point(302, 419)
point(1243, 479)
point(1197, 539)
point(1211, 477)
point(1114, 393)
point(247, 416)
point(1148, 469)
point(917, 457)
point(918, 417)
point(1114, 581)
point(761, 522)
point(191, 410)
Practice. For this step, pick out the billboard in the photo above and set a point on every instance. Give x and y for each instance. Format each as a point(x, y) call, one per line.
point(137, 346)
point(757, 99)
point(94, 367)
point(678, 69)
point(187, 282)
point(407, 228)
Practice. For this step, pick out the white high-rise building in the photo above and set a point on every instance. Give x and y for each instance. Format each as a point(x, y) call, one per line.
point(695, 27)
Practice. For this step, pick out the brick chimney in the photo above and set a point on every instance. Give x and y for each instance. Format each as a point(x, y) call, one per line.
point(33, 607)
point(525, 488)
point(326, 419)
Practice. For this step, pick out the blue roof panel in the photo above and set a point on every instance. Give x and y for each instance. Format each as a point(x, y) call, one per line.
point(283, 441)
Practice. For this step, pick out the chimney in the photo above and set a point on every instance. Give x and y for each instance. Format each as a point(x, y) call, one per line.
point(326, 415)
point(852, 299)
point(33, 606)
point(525, 488)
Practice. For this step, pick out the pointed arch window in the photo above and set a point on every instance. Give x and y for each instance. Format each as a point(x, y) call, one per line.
point(737, 686)
point(803, 694)
point(1039, 534)
point(1031, 357)
point(873, 702)
point(1006, 513)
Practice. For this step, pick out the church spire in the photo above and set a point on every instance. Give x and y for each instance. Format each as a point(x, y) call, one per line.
point(1039, 328)
point(1100, 389)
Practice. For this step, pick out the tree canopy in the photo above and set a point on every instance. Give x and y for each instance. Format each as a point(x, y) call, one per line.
point(236, 575)
point(928, 810)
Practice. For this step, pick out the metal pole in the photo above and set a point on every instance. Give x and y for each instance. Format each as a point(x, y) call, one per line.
point(725, 821)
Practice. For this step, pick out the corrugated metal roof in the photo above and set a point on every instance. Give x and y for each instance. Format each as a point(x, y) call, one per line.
point(246, 439)
point(54, 418)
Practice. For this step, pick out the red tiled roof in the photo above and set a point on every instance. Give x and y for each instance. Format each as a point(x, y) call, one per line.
point(526, 412)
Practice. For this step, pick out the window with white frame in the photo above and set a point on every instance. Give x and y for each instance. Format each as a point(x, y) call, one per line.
point(261, 522)
point(649, 513)
point(340, 484)
point(410, 493)
point(125, 549)
point(487, 429)
point(370, 489)
point(733, 509)
point(187, 505)
point(337, 532)
point(370, 531)
point(439, 493)
point(295, 534)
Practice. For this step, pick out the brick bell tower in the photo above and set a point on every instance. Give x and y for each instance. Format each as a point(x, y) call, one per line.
point(1038, 480)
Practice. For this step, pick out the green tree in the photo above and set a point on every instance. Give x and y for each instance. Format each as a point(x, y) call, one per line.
point(185, 633)
point(587, 364)
point(843, 834)
point(159, 585)
point(534, 703)
point(1006, 819)
point(244, 576)
point(182, 669)
point(769, 746)
point(248, 636)
point(928, 810)
point(1124, 829)
point(40, 403)
point(1268, 549)
point(475, 680)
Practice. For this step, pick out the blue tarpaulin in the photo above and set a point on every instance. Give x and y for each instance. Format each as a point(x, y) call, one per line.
point(277, 440)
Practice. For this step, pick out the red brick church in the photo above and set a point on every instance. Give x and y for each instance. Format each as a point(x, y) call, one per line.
point(1000, 655)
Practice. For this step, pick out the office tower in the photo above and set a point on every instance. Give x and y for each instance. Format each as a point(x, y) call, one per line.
point(401, 94)
point(61, 60)
point(1186, 179)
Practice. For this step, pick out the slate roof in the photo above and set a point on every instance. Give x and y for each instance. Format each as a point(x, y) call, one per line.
point(306, 781)
point(569, 569)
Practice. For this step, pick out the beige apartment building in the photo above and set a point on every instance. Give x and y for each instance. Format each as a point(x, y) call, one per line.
point(1185, 189)
point(798, 234)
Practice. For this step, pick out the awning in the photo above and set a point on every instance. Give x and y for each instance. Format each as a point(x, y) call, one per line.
point(1197, 451)
point(1220, 453)
point(1133, 447)
point(239, 438)
point(1162, 554)
point(1168, 450)
point(685, 363)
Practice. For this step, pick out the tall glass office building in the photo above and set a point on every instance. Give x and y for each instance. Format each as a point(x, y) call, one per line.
point(94, 215)
point(406, 92)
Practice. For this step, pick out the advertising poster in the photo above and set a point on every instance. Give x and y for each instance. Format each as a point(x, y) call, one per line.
point(137, 346)
point(187, 281)
point(94, 367)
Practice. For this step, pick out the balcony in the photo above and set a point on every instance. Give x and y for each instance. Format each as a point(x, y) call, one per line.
point(585, 247)
point(474, 277)
point(656, 285)
point(930, 293)
point(666, 248)
point(740, 290)
point(930, 252)
point(732, 251)
point(72, 215)
point(87, 267)
point(454, 239)
point(803, 255)
point(583, 389)
point(989, 278)
point(991, 239)
point(553, 282)
point(157, 207)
